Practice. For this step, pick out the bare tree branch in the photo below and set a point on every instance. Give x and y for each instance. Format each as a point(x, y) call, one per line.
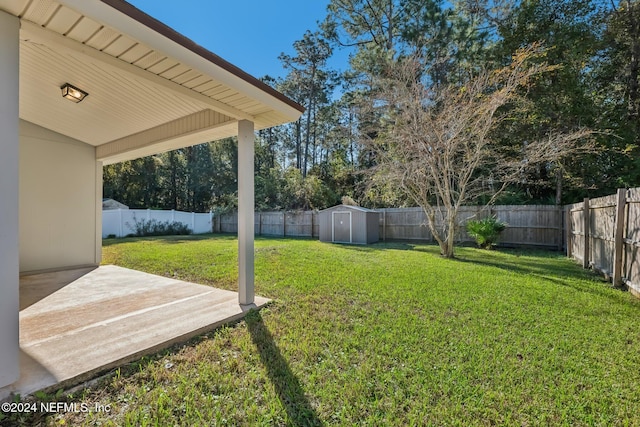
point(436, 143)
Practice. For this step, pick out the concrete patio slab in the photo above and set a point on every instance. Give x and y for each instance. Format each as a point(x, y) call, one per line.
point(75, 324)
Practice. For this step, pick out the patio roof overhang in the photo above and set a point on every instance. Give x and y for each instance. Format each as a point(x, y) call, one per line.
point(150, 88)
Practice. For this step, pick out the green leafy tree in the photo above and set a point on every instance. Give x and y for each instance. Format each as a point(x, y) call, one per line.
point(616, 81)
point(371, 26)
point(174, 179)
point(136, 183)
point(308, 71)
point(560, 99)
point(199, 181)
point(305, 193)
point(451, 44)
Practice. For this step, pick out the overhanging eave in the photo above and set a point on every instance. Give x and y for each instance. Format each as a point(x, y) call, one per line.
point(200, 127)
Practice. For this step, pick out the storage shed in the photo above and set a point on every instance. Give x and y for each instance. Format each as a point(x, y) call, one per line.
point(110, 204)
point(349, 224)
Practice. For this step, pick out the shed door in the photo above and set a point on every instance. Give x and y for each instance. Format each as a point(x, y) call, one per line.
point(342, 227)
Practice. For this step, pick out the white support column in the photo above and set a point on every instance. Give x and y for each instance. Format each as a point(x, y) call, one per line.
point(98, 257)
point(9, 202)
point(246, 140)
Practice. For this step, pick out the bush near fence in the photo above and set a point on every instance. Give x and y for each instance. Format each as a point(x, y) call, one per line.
point(530, 225)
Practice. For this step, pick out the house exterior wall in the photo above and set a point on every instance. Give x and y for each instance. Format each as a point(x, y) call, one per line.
point(9, 215)
point(58, 201)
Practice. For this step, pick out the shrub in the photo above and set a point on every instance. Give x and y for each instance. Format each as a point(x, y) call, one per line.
point(486, 231)
point(347, 200)
point(154, 227)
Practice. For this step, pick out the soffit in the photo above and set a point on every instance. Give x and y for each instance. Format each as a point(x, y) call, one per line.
point(137, 78)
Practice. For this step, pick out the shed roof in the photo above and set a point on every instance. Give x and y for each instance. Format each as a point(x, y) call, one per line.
point(150, 88)
point(357, 208)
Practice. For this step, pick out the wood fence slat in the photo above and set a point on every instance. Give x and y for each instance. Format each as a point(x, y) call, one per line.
point(586, 229)
point(618, 243)
point(632, 242)
point(569, 234)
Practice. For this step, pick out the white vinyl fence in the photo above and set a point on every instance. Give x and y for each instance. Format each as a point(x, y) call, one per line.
point(122, 222)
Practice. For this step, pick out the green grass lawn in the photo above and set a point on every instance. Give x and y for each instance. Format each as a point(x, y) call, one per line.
point(387, 334)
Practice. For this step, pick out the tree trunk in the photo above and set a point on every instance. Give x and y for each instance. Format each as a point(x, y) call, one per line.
point(351, 136)
point(634, 65)
point(390, 29)
point(174, 180)
point(310, 107)
point(299, 144)
point(314, 149)
point(558, 185)
point(451, 234)
point(445, 243)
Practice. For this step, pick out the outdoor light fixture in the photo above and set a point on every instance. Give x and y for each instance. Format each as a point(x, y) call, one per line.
point(72, 93)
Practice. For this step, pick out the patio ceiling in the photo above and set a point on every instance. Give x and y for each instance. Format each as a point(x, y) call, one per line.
point(150, 88)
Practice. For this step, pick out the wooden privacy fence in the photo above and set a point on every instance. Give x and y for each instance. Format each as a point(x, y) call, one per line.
point(533, 225)
point(528, 225)
point(604, 234)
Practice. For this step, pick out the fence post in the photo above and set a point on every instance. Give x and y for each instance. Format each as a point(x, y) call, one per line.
point(260, 224)
point(569, 232)
point(384, 225)
point(193, 222)
point(621, 201)
point(561, 227)
point(586, 227)
point(284, 224)
point(312, 236)
point(120, 233)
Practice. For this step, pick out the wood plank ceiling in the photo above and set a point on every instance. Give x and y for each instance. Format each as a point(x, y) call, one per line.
point(59, 44)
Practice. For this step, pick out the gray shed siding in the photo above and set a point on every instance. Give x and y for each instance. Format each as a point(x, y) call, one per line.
point(373, 227)
point(348, 224)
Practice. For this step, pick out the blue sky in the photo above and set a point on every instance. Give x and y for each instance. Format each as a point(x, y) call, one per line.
point(250, 34)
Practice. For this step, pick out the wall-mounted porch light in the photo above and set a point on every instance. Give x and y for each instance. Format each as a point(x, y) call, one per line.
point(72, 93)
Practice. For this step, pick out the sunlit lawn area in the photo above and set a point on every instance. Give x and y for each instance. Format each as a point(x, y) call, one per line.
point(388, 334)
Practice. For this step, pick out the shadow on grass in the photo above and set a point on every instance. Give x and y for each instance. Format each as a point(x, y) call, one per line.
point(542, 263)
point(168, 239)
point(286, 384)
point(374, 247)
point(545, 269)
point(603, 291)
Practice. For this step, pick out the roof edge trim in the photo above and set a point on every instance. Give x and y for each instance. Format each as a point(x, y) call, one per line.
point(168, 32)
